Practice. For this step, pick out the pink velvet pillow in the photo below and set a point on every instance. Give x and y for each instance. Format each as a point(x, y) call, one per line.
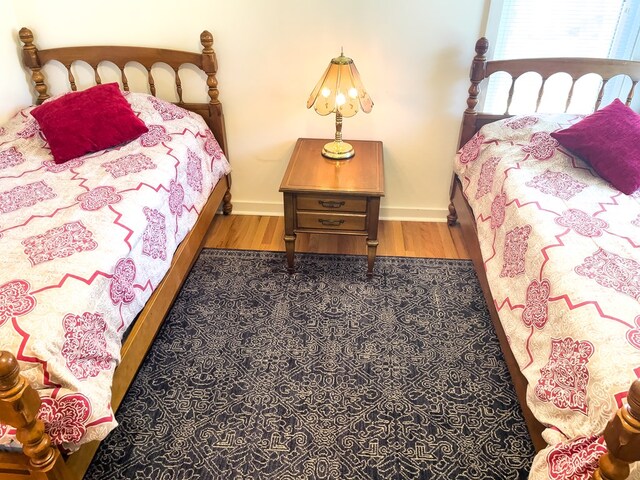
point(88, 121)
point(609, 140)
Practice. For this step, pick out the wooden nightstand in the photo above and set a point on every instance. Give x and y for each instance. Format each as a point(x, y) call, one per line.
point(336, 197)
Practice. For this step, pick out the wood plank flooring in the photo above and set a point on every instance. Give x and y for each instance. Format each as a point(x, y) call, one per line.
point(397, 238)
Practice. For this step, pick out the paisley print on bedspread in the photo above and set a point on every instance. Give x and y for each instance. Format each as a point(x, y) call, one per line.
point(87, 242)
point(562, 253)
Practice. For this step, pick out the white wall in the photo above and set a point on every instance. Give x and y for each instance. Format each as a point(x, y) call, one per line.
point(14, 90)
point(413, 57)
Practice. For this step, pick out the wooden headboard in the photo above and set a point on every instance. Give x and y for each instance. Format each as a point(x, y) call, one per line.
point(482, 69)
point(34, 59)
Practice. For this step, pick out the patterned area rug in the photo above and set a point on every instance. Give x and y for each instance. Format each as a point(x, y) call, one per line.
point(258, 374)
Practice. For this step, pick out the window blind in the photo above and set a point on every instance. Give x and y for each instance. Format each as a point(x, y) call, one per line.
point(567, 28)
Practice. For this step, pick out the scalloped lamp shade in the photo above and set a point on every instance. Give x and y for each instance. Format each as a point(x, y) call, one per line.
point(340, 91)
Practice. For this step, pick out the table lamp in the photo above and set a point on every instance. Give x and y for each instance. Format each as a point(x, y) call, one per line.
point(340, 91)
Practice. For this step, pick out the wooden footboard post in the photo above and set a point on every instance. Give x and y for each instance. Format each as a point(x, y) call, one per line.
point(19, 404)
point(622, 436)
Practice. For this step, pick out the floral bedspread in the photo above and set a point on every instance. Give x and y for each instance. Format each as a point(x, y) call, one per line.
point(561, 249)
point(84, 244)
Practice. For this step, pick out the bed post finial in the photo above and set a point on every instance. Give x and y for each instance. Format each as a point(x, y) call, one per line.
point(26, 35)
point(31, 61)
point(482, 46)
point(622, 436)
point(19, 405)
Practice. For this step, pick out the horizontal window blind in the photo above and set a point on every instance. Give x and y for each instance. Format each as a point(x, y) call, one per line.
point(567, 28)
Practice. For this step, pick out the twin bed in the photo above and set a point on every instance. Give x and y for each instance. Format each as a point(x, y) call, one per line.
point(96, 246)
point(557, 250)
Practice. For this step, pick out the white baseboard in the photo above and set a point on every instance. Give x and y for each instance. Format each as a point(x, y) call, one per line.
point(270, 209)
point(386, 213)
point(414, 214)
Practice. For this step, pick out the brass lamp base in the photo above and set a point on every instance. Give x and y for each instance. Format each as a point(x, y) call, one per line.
point(338, 150)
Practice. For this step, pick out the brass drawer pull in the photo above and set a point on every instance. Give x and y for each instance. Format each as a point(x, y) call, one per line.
point(331, 204)
point(330, 223)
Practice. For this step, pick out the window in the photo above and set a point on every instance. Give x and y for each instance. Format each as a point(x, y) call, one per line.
point(567, 28)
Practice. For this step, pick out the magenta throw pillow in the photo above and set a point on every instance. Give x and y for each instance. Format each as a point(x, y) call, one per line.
point(88, 121)
point(609, 140)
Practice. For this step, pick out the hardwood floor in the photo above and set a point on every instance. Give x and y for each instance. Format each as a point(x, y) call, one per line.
point(397, 238)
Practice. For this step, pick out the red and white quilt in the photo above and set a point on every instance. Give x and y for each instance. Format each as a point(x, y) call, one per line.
point(561, 249)
point(84, 244)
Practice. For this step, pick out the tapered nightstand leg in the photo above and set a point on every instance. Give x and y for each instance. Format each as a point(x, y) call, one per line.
point(373, 215)
point(290, 245)
point(372, 245)
point(289, 229)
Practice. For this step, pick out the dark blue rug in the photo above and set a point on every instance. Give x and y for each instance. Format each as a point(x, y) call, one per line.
point(258, 374)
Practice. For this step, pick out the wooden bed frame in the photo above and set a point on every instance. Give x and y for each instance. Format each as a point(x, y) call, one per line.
point(622, 434)
point(19, 403)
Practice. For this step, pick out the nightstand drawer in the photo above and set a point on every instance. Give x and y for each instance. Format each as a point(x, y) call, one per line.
point(331, 203)
point(331, 221)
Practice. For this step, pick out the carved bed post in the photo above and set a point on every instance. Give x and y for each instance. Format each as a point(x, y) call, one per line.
point(19, 405)
point(210, 66)
point(30, 59)
point(622, 436)
point(476, 75)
